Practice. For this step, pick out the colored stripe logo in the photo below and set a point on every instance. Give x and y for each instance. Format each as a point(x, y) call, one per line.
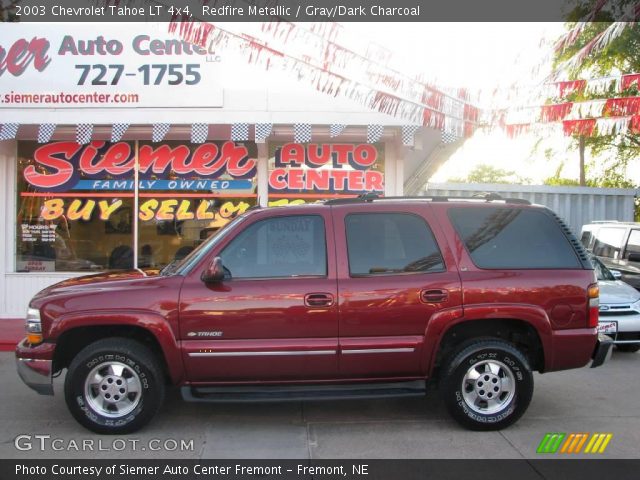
point(555, 442)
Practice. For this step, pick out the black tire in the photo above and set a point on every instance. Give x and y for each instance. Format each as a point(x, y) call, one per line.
point(140, 377)
point(508, 404)
point(628, 347)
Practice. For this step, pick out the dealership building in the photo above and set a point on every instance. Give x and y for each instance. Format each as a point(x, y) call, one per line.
point(121, 147)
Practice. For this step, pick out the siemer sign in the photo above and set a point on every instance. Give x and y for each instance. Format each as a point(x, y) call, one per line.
point(97, 65)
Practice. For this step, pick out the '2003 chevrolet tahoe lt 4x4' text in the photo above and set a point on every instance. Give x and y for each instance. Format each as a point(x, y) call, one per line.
point(342, 299)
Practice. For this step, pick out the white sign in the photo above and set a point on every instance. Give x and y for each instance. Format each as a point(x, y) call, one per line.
point(608, 327)
point(128, 65)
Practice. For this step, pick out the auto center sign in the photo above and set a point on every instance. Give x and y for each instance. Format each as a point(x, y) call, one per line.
point(64, 166)
point(209, 167)
point(101, 65)
point(326, 169)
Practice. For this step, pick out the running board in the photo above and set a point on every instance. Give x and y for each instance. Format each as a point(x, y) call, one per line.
point(283, 393)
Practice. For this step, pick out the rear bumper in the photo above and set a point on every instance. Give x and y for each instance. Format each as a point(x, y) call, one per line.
point(602, 352)
point(34, 372)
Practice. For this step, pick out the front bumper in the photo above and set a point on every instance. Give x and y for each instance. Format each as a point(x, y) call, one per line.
point(34, 372)
point(627, 328)
point(602, 352)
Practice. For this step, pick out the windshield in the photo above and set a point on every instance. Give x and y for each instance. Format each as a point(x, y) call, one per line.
point(180, 267)
point(602, 272)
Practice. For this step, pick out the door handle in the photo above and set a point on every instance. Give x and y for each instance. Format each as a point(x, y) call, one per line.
point(434, 295)
point(318, 300)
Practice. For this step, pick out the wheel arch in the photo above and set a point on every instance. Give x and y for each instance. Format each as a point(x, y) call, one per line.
point(76, 332)
point(528, 329)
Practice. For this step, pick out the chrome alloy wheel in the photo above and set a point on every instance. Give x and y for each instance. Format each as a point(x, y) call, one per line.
point(113, 389)
point(488, 386)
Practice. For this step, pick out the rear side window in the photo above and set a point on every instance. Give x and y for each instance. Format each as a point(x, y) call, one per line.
point(609, 242)
point(390, 243)
point(586, 238)
point(511, 238)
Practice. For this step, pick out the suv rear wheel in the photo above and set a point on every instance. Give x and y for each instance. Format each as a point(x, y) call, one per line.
point(487, 385)
point(114, 386)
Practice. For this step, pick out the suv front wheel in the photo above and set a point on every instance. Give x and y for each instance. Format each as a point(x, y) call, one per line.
point(487, 385)
point(114, 386)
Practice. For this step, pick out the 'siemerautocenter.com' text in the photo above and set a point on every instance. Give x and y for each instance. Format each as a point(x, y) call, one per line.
point(68, 98)
point(44, 443)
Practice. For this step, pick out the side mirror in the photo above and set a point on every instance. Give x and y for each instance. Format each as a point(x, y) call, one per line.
point(214, 273)
point(634, 257)
point(616, 274)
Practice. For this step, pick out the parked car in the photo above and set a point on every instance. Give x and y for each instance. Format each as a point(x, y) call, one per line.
point(617, 245)
point(349, 298)
point(619, 309)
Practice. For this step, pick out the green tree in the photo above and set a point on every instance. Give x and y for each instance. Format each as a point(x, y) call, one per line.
point(620, 55)
point(484, 173)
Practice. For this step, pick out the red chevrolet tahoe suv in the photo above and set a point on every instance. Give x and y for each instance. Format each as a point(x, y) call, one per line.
point(351, 298)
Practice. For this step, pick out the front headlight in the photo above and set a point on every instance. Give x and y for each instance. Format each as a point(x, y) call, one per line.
point(33, 326)
point(636, 305)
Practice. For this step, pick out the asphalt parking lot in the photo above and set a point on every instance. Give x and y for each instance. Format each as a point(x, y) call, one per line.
point(605, 399)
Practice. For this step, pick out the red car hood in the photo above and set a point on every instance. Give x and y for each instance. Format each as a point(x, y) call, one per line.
point(113, 278)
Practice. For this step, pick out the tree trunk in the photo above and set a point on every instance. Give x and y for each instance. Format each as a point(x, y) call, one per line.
point(581, 147)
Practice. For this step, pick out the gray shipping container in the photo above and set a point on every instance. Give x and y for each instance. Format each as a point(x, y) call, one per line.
point(576, 205)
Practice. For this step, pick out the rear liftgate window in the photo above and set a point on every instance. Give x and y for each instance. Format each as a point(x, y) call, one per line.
point(390, 243)
point(511, 238)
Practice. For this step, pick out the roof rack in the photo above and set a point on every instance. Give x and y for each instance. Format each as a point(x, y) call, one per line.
point(371, 197)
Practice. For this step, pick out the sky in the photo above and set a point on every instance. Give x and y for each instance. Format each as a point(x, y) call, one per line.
point(483, 57)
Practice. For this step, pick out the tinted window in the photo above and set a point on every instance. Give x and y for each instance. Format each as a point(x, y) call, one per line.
point(608, 242)
point(278, 247)
point(633, 245)
point(512, 238)
point(585, 239)
point(387, 243)
point(602, 272)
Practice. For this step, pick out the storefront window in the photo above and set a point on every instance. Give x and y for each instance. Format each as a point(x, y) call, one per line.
point(66, 221)
point(76, 202)
point(182, 206)
point(310, 172)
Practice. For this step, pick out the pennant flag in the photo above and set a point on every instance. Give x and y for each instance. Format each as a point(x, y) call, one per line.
point(199, 132)
point(263, 130)
point(449, 137)
point(408, 133)
point(336, 129)
point(9, 131)
point(117, 131)
point(160, 130)
point(302, 132)
point(374, 133)
point(240, 132)
point(45, 132)
point(84, 132)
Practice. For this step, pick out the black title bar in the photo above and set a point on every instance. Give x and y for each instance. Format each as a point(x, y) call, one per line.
point(317, 469)
point(293, 10)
